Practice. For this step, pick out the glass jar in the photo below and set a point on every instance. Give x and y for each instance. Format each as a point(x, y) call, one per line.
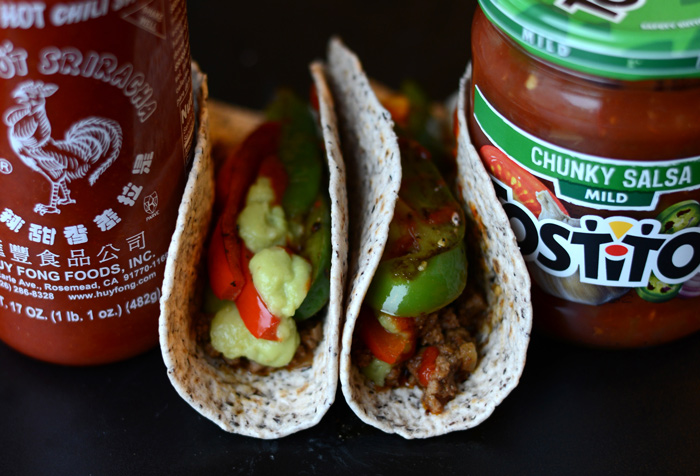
point(587, 115)
point(97, 107)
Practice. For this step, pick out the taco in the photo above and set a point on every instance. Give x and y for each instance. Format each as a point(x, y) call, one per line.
point(438, 310)
point(250, 314)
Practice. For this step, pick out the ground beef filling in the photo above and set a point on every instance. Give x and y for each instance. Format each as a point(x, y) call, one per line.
point(310, 335)
point(451, 330)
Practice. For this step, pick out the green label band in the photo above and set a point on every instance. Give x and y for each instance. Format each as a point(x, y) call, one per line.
point(594, 182)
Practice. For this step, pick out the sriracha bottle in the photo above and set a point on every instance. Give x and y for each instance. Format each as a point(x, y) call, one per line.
point(98, 126)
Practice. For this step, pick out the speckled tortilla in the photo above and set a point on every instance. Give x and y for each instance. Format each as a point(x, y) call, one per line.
point(374, 176)
point(282, 402)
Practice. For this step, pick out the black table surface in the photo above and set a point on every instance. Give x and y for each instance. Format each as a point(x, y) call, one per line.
point(576, 410)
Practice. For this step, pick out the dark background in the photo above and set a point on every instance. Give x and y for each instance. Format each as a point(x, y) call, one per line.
point(250, 48)
point(576, 411)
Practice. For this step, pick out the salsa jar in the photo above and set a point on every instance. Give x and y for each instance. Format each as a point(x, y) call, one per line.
point(98, 126)
point(586, 113)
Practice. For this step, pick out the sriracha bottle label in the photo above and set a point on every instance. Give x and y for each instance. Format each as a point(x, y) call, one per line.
point(98, 126)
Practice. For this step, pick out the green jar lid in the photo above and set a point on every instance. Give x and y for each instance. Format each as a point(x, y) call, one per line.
point(622, 39)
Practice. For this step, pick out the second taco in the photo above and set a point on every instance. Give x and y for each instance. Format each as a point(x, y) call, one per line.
point(438, 310)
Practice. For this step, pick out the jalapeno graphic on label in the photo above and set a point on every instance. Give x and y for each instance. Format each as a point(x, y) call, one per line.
point(673, 219)
point(658, 291)
point(679, 216)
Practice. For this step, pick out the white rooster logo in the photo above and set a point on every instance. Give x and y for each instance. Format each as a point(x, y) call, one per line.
point(87, 150)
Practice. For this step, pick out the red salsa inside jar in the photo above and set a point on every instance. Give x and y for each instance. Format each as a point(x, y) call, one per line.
point(587, 116)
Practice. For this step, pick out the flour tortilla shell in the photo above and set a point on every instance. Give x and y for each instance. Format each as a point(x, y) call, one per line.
point(282, 402)
point(374, 176)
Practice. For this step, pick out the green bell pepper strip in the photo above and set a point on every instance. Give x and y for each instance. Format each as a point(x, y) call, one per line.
point(434, 215)
point(299, 152)
point(441, 280)
point(422, 126)
point(306, 207)
point(317, 249)
point(424, 266)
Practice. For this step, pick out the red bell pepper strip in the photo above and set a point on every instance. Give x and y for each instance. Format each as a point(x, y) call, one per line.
point(524, 184)
point(241, 166)
point(273, 169)
point(390, 347)
point(232, 184)
point(455, 131)
point(223, 182)
point(225, 282)
point(427, 365)
point(255, 315)
point(263, 142)
point(313, 98)
point(228, 258)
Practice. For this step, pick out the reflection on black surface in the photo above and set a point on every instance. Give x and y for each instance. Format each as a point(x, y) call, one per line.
point(589, 411)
